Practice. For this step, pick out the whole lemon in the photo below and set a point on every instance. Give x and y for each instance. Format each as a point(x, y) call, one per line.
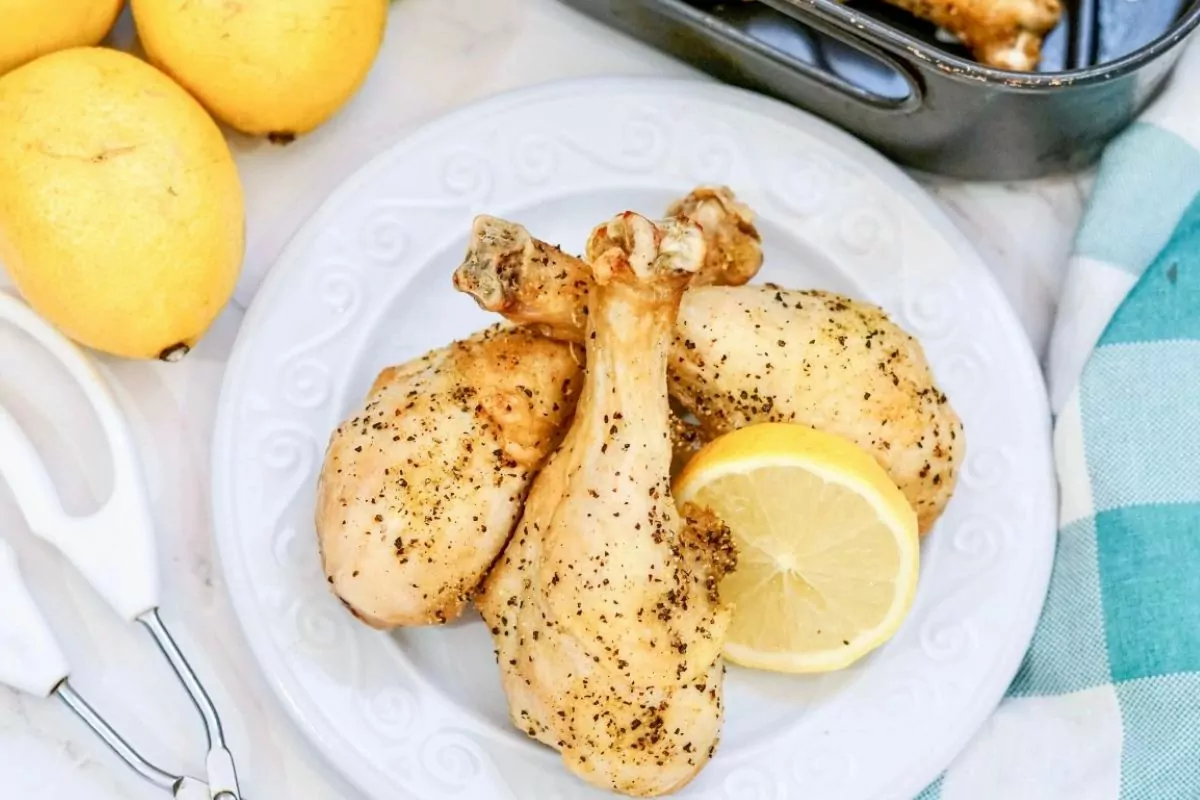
point(121, 213)
point(267, 67)
point(30, 28)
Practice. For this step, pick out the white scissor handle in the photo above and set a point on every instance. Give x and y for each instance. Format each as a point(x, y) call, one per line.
point(30, 659)
point(114, 547)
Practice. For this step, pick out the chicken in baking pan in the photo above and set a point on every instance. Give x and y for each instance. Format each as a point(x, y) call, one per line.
point(1006, 34)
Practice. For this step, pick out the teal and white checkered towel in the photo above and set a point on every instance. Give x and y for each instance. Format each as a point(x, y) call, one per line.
point(1107, 702)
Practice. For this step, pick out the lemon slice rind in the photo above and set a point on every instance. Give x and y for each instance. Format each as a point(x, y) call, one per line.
point(834, 461)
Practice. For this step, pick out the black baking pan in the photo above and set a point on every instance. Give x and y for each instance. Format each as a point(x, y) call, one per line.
point(897, 83)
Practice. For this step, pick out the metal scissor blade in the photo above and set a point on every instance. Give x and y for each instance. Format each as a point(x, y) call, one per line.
point(192, 789)
point(221, 773)
point(179, 786)
point(222, 776)
point(114, 548)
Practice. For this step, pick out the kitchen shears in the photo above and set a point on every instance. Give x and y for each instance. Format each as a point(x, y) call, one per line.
point(114, 549)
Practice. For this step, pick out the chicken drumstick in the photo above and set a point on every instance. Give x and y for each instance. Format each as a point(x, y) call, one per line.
point(749, 354)
point(605, 612)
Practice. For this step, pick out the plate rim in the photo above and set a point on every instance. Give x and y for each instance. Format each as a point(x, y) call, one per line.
point(269, 663)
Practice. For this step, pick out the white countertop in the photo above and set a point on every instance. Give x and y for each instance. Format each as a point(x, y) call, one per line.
point(438, 54)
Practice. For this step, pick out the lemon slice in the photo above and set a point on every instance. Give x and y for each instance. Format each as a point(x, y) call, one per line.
point(827, 545)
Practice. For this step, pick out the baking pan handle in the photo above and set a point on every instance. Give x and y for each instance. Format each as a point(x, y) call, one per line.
point(695, 31)
point(881, 50)
point(836, 19)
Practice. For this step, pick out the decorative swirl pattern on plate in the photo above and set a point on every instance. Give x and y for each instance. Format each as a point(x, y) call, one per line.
point(452, 759)
point(711, 159)
point(468, 177)
point(946, 636)
point(932, 311)
point(802, 186)
point(865, 230)
point(642, 144)
point(318, 630)
point(404, 767)
point(290, 452)
point(296, 554)
point(392, 712)
point(535, 158)
point(384, 236)
point(287, 449)
point(306, 383)
point(753, 784)
point(961, 374)
point(341, 292)
point(978, 545)
point(276, 599)
point(907, 694)
point(986, 467)
point(980, 539)
point(320, 626)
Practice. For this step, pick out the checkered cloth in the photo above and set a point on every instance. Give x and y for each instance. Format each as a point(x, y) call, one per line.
point(1107, 701)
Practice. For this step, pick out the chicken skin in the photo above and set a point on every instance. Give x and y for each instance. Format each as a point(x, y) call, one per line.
point(755, 354)
point(765, 354)
point(408, 519)
point(537, 284)
point(421, 487)
point(1001, 33)
point(604, 607)
point(733, 246)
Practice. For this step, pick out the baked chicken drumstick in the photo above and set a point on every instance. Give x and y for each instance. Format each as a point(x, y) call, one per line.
point(604, 607)
point(1006, 34)
point(757, 354)
point(537, 284)
point(1001, 33)
point(422, 485)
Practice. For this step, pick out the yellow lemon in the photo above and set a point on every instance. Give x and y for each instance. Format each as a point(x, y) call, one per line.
point(31, 28)
point(828, 551)
point(121, 211)
point(267, 67)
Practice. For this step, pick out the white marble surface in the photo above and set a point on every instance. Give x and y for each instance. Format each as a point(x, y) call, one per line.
point(438, 54)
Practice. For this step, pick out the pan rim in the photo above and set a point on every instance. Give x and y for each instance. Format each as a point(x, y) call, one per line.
point(835, 18)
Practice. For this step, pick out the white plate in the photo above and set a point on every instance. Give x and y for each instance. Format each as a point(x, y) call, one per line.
point(366, 283)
